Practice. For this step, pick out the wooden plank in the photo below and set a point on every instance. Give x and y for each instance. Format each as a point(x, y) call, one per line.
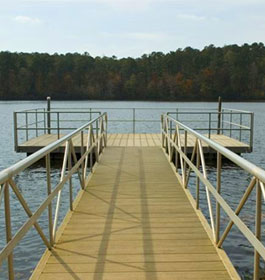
point(134, 221)
point(219, 275)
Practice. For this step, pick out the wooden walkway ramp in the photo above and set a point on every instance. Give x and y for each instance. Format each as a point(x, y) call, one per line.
point(133, 222)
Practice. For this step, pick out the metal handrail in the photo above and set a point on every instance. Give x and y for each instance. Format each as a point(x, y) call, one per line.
point(24, 163)
point(243, 163)
point(174, 146)
point(43, 126)
point(95, 144)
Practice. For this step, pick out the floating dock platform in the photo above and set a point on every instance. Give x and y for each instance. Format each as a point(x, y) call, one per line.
point(132, 140)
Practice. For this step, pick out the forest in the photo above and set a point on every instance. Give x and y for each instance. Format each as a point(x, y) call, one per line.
point(237, 73)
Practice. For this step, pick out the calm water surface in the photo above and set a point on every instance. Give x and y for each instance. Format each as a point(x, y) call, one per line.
point(32, 181)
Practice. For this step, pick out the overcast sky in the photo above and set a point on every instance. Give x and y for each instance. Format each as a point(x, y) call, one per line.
point(127, 27)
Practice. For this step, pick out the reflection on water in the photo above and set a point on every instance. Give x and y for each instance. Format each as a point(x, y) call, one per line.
point(32, 182)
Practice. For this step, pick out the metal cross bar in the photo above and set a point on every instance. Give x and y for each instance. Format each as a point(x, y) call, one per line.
point(206, 189)
point(59, 193)
point(29, 213)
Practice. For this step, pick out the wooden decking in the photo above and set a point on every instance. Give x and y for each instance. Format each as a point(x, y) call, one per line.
point(133, 140)
point(134, 221)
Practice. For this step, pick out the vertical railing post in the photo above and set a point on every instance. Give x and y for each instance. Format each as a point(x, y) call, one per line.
point(223, 115)
point(170, 129)
point(70, 179)
point(219, 114)
point(218, 188)
point(82, 165)
point(8, 230)
point(231, 118)
point(97, 128)
point(36, 122)
point(257, 230)
point(251, 131)
point(185, 164)
point(58, 125)
point(15, 131)
point(240, 130)
point(197, 178)
point(210, 126)
point(27, 132)
point(176, 152)
point(44, 121)
point(133, 120)
point(49, 114)
point(49, 190)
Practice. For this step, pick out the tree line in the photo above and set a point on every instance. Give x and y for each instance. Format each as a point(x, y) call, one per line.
point(233, 72)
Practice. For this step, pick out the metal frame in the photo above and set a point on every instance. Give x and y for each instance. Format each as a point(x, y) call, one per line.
point(230, 122)
point(171, 145)
point(71, 165)
point(52, 121)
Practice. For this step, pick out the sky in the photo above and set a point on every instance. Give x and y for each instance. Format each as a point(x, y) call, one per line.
point(127, 27)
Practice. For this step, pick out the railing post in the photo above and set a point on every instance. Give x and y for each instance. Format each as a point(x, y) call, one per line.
point(15, 131)
point(162, 130)
point(219, 114)
point(49, 190)
point(218, 188)
point(58, 125)
point(70, 179)
point(185, 164)
point(210, 126)
point(8, 230)
point(82, 165)
point(257, 230)
point(197, 178)
point(176, 152)
point(27, 132)
point(251, 131)
point(36, 122)
point(231, 118)
point(44, 121)
point(240, 131)
point(49, 114)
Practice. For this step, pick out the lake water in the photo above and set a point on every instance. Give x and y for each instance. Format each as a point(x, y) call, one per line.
point(32, 181)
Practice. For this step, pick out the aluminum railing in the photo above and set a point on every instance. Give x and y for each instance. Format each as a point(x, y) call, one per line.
point(91, 144)
point(35, 122)
point(236, 124)
point(175, 136)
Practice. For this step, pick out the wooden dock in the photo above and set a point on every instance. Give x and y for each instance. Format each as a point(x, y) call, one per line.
point(132, 140)
point(134, 221)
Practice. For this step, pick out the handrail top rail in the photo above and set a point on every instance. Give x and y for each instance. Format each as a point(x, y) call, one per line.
point(180, 110)
point(26, 162)
point(211, 112)
point(44, 111)
point(241, 162)
point(113, 108)
point(238, 110)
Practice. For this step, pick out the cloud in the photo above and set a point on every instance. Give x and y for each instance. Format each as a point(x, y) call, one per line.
point(25, 19)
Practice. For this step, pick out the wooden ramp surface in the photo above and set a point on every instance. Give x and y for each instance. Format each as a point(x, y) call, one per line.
point(133, 222)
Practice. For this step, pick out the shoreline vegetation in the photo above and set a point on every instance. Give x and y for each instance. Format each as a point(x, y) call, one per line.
point(236, 73)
